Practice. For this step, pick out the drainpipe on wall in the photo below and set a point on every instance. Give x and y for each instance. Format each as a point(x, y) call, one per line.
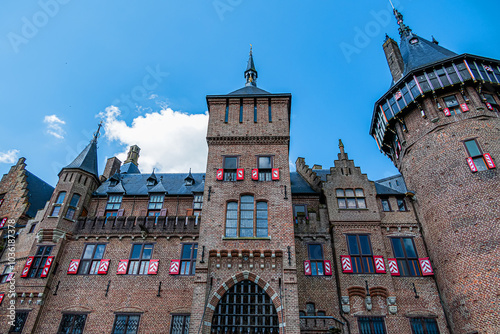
point(411, 197)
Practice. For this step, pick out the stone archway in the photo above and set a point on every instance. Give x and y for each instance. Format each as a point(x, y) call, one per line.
point(244, 304)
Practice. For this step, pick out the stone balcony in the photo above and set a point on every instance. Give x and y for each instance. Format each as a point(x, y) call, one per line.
point(320, 324)
point(171, 225)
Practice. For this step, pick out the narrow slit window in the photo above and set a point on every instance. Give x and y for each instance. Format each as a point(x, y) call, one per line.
point(270, 111)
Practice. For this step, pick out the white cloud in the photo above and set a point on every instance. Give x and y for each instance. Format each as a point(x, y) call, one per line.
point(9, 157)
point(54, 126)
point(170, 141)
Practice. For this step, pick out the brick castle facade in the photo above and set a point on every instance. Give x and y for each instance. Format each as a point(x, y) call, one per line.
point(251, 247)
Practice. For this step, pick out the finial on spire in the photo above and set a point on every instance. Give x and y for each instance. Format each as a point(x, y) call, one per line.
point(341, 146)
point(97, 134)
point(251, 72)
point(404, 30)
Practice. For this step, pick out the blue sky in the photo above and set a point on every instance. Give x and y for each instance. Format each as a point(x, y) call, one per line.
point(146, 66)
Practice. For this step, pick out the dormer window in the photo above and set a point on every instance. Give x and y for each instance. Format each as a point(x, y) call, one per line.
point(151, 182)
point(188, 181)
point(414, 41)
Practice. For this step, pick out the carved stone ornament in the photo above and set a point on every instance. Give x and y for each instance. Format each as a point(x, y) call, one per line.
point(346, 308)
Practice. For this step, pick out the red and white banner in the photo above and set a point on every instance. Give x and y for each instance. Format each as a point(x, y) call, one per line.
point(240, 174)
point(275, 174)
point(307, 268)
point(447, 112)
point(27, 266)
point(175, 266)
point(220, 175)
point(346, 264)
point(153, 267)
point(2, 223)
point(10, 277)
point(398, 95)
point(472, 165)
point(255, 174)
point(122, 267)
point(425, 265)
point(489, 106)
point(464, 107)
point(393, 267)
point(328, 268)
point(1, 297)
point(379, 264)
point(73, 267)
point(489, 161)
point(103, 267)
point(46, 268)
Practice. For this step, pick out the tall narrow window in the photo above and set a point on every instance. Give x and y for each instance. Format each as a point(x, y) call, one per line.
point(475, 154)
point(19, 321)
point(72, 324)
point(246, 216)
point(126, 324)
point(262, 219)
point(139, 259)
point(361, 254)
point(91, 257)
point(114, 203)
point(255, 110)
point(58, 204)
point(230, 166)
point(401, 204)
point(232, 219)
point(6, 271)
point(197, 203)
point(310, 309)
point(241, 110)
point(73, 204)
point(316, 258)
point(270, 111)
point(155, 205)
point(386, 206)
point(406, 255)
point(180, 324)
point(265, 165)
point(39, 261)
point(226, 115)
point(188, 259)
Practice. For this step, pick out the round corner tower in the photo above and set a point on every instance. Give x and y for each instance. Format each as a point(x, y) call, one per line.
point(440, 125)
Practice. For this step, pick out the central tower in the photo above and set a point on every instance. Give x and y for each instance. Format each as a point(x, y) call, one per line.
point(247, 238)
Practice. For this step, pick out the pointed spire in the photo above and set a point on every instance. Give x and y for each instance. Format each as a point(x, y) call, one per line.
point(251, 72)
point(342, 155)
point(404, 30)
point(87, 159)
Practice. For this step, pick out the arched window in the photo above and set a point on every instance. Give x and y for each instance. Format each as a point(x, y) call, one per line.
point(58, 204)
point(246, 216)
point(310, 309)
point(262, 219)
point(245, 308)
point(70, 214)
point(232, 219)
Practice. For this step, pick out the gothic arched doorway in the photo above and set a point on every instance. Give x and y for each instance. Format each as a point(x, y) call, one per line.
point(245, 308)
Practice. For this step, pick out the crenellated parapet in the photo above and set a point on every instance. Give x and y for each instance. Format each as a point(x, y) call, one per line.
point(308, 174)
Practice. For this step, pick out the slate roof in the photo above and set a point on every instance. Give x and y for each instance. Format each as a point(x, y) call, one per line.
point(422, 53)
point(250, 90)
point(39, 192)
point(299, 185)
point(173, 183)
point(383, 190)
point(129, 168)
point(87, 159)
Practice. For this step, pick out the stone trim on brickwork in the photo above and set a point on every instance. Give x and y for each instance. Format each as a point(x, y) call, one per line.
point(235, 279)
